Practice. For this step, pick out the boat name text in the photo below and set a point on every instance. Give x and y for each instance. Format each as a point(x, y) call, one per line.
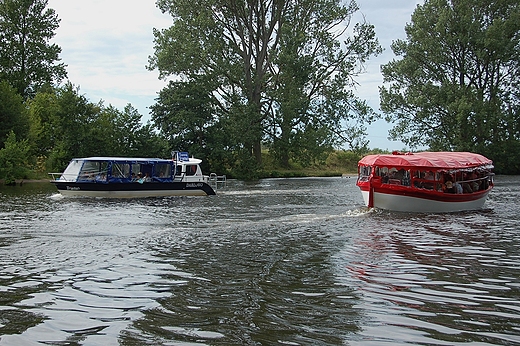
point(194, 184)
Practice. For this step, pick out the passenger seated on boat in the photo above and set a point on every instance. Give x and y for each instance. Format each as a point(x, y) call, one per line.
point(147, 177)
point(457, 187)
point(140, 178)
point(448, 187)
point(101, 177)
point(466, 187)
point(133, 177)
point(485, 184)
point(473, 181)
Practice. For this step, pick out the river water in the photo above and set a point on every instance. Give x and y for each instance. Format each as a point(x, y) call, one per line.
point(274, 262)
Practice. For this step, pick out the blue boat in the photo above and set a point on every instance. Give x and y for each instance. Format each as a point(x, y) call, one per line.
point(124, 177)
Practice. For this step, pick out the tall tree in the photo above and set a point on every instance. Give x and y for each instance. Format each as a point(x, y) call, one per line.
point(238, 45)
point(27, 58)
point(184, 114)
point(314, 104)
point(456, 85)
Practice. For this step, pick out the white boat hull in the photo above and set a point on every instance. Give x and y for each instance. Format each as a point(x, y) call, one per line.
point(421, 205)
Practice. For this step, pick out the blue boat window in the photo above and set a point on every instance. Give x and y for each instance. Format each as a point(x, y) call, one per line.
point(136, 168)
point(163, 170)
point(146, 171)
point(120, 170)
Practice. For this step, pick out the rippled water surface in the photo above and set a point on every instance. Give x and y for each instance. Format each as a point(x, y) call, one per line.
point(275, 262)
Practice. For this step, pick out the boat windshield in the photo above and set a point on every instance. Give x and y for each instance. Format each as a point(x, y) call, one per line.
point(72, 171)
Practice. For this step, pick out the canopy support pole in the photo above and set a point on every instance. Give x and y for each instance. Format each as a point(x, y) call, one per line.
point(370, 193)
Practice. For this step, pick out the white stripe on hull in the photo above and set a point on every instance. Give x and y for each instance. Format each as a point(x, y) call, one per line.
point(421, 205)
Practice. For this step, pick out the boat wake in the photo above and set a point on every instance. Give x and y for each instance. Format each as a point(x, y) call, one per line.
point(361, 211)
point(56, 196)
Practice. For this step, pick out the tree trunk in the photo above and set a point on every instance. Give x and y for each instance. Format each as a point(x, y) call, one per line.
point(257, 152)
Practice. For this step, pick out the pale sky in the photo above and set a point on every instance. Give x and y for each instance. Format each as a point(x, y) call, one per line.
point(106, 44)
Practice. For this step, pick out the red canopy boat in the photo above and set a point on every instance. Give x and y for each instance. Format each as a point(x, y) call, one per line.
point(425, 181)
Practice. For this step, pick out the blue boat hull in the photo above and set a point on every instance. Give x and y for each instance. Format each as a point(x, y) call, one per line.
point(134, 189)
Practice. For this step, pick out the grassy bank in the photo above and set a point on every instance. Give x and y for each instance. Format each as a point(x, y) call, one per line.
point(336, 164)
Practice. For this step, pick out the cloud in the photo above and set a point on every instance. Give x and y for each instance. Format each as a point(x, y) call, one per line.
point(106, 44)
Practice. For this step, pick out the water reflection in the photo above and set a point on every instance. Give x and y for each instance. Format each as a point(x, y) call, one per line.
point(280, 261)
point(452, 278)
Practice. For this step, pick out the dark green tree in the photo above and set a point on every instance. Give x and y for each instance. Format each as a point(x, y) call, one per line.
point(65, 124)
point(76, 119)
point(14, 159)
point(186, 115)
point(456, 86)
point(44, 132)
point(27, 58)
point(12, 113)
point(240, 47)
point(120, 133)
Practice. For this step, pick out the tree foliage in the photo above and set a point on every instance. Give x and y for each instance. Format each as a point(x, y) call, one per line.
point(14, 159)
point(27, 59)
point(186, 115)
point(456, 85)
point(65, 124)
point(275, 72)
point(12, 113)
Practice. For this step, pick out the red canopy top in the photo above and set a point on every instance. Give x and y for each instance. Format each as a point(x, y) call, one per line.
point(446, 160)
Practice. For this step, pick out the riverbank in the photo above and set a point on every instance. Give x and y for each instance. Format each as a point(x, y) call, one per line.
point(19, 182)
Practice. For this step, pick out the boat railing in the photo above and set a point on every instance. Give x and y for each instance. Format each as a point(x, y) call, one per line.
point(55, 176)
point(217, 181)
point(62, 176)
